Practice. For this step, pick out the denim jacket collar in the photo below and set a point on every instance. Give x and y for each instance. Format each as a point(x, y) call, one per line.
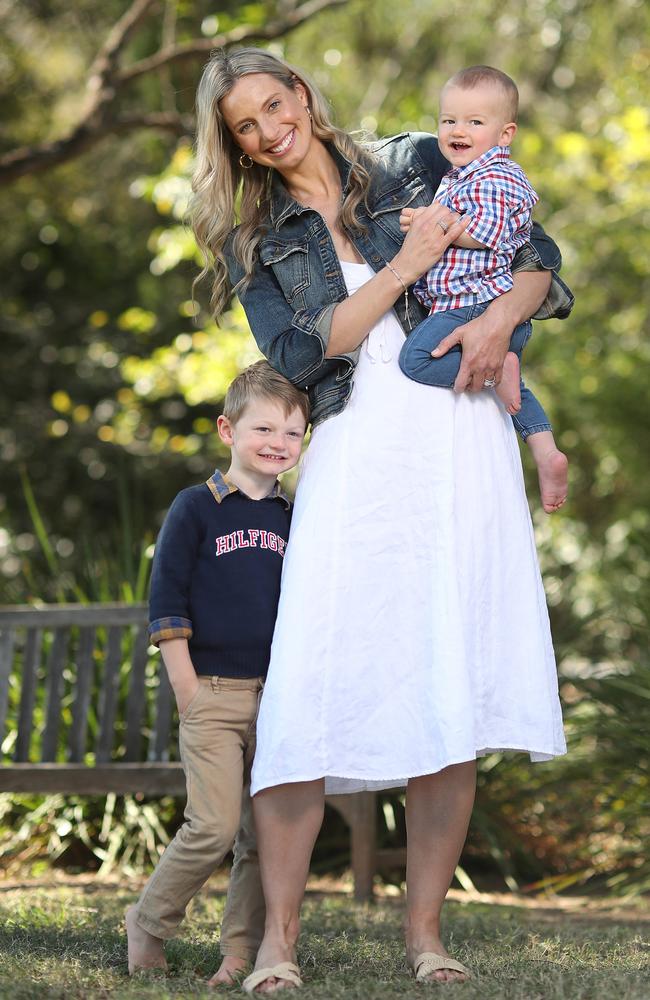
point(220, 487)
point(282, 206)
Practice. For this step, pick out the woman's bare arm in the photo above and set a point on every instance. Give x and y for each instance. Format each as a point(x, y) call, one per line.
point(424, 245)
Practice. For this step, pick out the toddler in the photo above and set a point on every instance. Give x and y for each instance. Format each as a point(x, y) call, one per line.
point(478, 110)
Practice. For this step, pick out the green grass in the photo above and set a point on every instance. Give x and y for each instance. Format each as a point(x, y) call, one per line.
point(65, 941)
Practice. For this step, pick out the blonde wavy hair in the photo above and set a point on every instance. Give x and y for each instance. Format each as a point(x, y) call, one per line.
point(220, 183)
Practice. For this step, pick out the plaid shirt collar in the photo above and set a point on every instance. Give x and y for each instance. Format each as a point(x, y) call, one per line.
point(220, 486)
point(497, 154)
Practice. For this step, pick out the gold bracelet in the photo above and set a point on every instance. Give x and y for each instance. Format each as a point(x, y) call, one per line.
point(406, 292)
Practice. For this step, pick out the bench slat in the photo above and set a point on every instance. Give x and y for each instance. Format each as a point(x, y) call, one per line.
point(84, 687)
point(77, 779)
point(54, 692)
point(7, 643)
point(136, 697)
point(72, 614)
point(159, 743)
point(31, 662)
point(109, 695)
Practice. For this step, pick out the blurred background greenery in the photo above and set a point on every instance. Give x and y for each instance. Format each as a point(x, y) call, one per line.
point(112, 376)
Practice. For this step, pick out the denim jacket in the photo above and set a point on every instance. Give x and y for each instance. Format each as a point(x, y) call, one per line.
point(297, 279)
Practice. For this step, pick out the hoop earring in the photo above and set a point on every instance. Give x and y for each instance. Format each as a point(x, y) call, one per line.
point(246, 166)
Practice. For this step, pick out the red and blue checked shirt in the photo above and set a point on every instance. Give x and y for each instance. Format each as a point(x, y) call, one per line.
point(495, 192)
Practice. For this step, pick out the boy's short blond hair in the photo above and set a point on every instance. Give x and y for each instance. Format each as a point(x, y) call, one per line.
point(257, 381)
point(478, 76)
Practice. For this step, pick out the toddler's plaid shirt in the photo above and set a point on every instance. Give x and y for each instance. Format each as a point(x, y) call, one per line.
point(495, 192)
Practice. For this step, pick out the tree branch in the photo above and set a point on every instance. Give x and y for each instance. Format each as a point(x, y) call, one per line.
point(104, 67)
point(168, 93)
point(34, 159)
point(242, 33)
point(167, 121)
point(106, 79)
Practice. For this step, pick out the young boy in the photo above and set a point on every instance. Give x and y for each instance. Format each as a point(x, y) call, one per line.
point(214, 594)
point(478, 111)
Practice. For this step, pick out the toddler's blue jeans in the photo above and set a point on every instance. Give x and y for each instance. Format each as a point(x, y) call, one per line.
point(415, 361)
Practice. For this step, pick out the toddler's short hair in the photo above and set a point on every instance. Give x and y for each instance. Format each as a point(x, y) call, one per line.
point(476, 76)
point(260, 380)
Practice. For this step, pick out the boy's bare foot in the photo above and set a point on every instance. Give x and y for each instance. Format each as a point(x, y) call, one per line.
point(509, 389)
point(552, 470)
point(226, 974)
point(145, 950)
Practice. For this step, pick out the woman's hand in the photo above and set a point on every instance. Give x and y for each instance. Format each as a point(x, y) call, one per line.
point(485, 341)
point(430, 231)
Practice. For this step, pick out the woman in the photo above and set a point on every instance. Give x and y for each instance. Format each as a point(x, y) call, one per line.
point(412, 634)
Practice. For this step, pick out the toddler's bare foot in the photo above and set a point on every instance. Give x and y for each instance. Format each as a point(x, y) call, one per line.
point(145, 950)
point(553, 474)
point(509, 389)
point(226, 974)
point(552, 469)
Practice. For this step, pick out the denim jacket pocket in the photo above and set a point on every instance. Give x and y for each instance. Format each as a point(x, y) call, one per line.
point(290, 263)
point(398, 197)
point(385, 210)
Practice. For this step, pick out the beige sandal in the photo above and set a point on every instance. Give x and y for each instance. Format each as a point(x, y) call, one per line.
point(284, 970)
point(428, 962)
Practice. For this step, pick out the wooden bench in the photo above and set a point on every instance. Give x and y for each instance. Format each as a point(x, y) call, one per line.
point(86, 709)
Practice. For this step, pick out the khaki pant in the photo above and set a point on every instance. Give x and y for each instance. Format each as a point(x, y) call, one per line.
point(217, 745)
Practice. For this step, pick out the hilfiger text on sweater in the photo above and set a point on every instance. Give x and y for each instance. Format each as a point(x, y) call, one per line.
point(251, 538)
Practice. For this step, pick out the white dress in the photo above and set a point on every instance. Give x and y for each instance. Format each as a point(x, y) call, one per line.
point(412, 631)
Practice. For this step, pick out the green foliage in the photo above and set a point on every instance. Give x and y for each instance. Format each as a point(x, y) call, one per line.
point(124, 833)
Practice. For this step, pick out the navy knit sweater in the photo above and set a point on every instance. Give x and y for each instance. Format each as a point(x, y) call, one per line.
point(216, 576)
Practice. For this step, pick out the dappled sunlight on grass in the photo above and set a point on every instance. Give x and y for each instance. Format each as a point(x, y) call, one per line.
point(68, 940)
